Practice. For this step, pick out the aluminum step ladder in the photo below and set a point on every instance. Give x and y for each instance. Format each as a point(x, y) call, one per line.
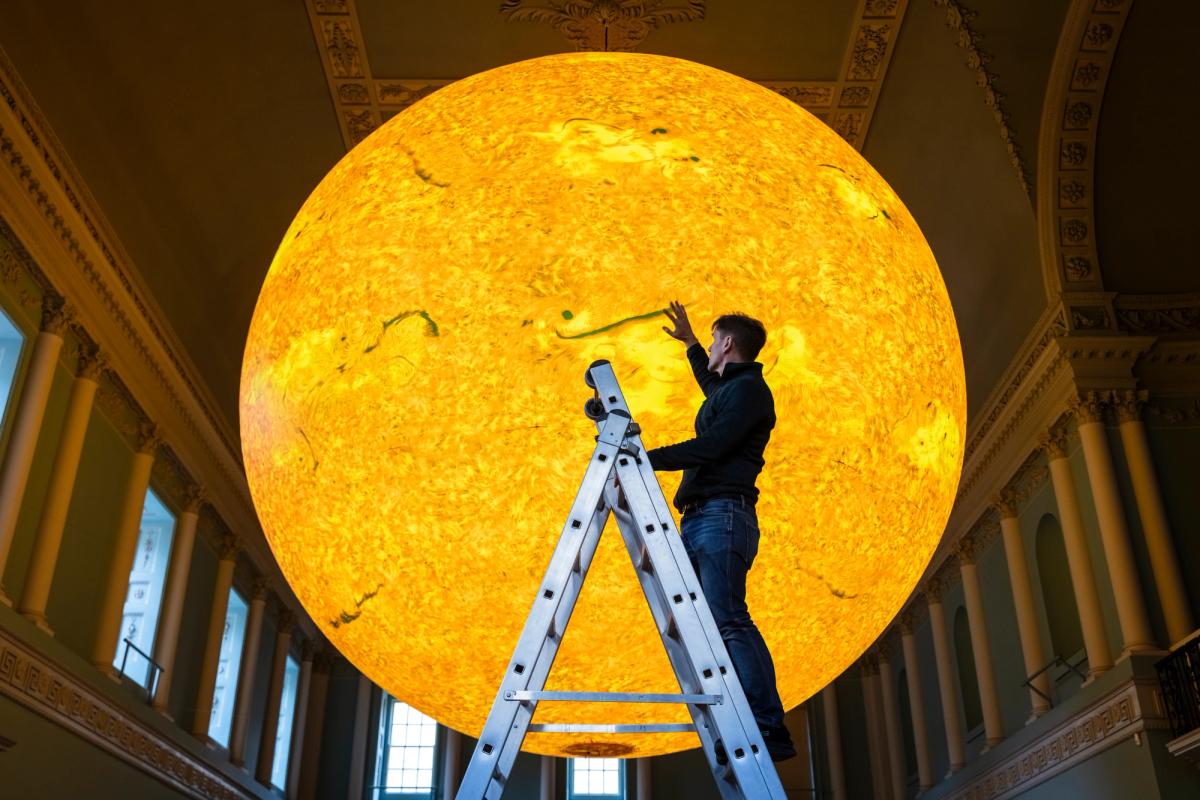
point(620, 481)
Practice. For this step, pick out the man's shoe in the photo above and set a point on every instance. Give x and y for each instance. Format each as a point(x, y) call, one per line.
point(779, 743)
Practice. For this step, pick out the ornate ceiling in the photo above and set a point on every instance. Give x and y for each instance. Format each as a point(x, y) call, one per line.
point(201, 128)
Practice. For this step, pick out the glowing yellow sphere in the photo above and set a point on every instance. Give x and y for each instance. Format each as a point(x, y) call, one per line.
point(412, 390)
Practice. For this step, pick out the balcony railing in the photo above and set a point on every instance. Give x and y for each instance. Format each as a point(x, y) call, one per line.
point(1179, 674)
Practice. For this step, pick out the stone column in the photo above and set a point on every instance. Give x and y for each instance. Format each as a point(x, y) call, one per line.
point(247, 671)
point(358, 743)
point(951, 713)
point(212, 642)
point(644, 783)
point(129, 525)
point(833, 742)
point(1172, 591)
point(42, 561)
point(891, 722)
point(877, 749)
point(981, 648)
point(167, 641)
point(1114, 531)
point(1079, 561)
point(28, 412)
point(303, 682)
point(314, 726)
point(1022, 591)
point(270, 728)
point(547, 788)
point(451, 763)
point(916, 702)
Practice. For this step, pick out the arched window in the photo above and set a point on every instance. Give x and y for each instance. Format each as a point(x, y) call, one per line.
point(11, 342)
point(906, 726)
point(969, 683)
point(1054, 574)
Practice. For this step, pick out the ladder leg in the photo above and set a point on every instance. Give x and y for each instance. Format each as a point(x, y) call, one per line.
point(537, 646)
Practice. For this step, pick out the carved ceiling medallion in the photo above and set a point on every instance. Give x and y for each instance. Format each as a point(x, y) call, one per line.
point(606, 25)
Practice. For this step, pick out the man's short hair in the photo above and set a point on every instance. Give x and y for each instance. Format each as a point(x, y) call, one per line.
point(749, 335)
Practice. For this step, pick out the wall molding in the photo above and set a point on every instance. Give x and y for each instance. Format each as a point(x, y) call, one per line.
point(46, 688)
point(1131, 708)
point(60, 237)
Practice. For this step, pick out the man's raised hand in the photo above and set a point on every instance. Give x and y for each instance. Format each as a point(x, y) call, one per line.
point(683, 327)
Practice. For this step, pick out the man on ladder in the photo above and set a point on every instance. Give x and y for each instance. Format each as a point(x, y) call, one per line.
point(717, 496)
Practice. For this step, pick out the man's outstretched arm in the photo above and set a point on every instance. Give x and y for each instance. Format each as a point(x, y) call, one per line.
point(740, 412)
point(698, 358)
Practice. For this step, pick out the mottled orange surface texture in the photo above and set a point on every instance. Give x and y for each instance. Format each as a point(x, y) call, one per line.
point(412, 389)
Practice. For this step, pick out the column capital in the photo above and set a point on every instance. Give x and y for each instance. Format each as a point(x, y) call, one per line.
point(287, 620)
point(1054, 442)
point(194, 498)
point(908, 622)
point(1089, 407)
point(92, 364)
point(1005, 503)
point(229, 548)
point(260, 587)
point(885, 648)
point(148, 438)
point(1129, 404)
point(308, 650)
point(966, 549)
point(868, 664)
point(56, 316)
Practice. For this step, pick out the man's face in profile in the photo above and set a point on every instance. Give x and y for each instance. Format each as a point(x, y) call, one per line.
point(717, 352)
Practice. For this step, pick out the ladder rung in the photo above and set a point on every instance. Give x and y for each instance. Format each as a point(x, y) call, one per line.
point(523, 695)
point(662, 727)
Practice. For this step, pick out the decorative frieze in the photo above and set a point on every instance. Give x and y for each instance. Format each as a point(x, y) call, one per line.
point(39, 684)
point(1127, 710)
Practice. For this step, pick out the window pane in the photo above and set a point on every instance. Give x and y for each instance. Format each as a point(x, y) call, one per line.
point(11, 342)
point(287, 715)
point(143, 599)
point(409, 749)
point(227, 669)
point(596, 777)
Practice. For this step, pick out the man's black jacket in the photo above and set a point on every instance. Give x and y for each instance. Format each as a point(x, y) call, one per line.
point(733, 426)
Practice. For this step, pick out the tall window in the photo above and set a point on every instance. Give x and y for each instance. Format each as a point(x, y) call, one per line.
point(227, 670)
point(407, 755)
point(287, 715)
point(595, 777)
point(143, 599)
point(11, 341)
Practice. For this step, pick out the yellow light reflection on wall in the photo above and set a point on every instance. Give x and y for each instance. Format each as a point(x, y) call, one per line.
point(412, 388)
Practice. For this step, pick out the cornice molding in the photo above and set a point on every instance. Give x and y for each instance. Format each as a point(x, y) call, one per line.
point(959, 19)
point(44, 687)
point(1067, 144)
point(1127, 710)
point(362, 100)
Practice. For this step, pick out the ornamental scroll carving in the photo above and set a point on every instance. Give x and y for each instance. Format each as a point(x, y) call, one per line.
point(604, 25)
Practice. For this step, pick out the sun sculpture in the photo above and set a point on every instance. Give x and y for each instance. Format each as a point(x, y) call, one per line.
point(412, 389)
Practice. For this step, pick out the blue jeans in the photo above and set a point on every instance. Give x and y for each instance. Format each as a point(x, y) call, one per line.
point(721, 539)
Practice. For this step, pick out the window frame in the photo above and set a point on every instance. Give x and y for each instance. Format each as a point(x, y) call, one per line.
point(8, 402)
point(622, 788)
point(239, 649)
point(384, 754)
